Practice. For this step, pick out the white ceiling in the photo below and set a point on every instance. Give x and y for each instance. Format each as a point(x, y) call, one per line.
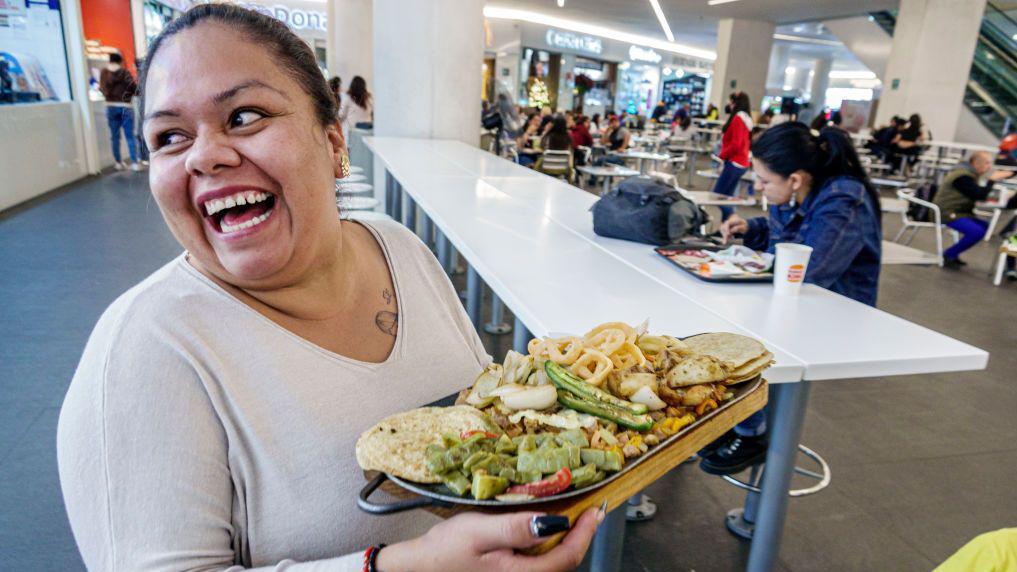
point(694, 22)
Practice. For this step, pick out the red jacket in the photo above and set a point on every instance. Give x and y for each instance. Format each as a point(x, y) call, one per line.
point(734, 145)
point(581, 136)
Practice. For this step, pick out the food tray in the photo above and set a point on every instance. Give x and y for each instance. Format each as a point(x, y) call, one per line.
point(664, 252)
point(437, 495)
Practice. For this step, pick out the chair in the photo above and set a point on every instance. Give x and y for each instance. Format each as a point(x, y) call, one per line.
point(556, 164)
point(912, 225)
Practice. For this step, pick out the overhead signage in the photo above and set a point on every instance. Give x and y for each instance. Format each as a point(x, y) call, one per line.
point(573, 41)
point(295, 18)
point(638, 54)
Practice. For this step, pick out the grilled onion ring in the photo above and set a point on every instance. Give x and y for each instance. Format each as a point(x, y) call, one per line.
point(628, 355)
point(564, 351)
point(630, 332)
point(593, 366)
point(606, 341)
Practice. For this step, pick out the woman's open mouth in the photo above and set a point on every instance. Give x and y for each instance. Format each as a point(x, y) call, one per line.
point(239, 211)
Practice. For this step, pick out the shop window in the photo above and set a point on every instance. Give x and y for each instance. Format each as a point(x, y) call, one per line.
point(33, 60)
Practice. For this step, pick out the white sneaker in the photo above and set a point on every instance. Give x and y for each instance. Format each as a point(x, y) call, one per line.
point(135, 167)
point(119, 166)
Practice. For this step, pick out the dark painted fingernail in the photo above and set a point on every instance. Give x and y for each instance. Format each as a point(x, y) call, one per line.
point(548, 524)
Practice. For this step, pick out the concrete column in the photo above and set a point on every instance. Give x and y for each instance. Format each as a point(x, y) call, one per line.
point(565, 97)
point(779, 59)
point(743, 55)
point(818, 87)
point(933, 43)
point(350, 40)
point(427, 75)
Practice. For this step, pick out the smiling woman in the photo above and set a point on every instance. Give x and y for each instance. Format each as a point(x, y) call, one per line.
point(212, 420)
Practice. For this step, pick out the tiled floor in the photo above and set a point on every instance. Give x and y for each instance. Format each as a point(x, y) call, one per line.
point(920, 464)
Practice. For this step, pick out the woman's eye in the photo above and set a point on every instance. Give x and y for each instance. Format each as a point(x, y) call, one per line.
point(164, 139)
point(245, 117)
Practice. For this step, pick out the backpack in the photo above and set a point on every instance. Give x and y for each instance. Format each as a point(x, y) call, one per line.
point(642, 210)
point(917, 212)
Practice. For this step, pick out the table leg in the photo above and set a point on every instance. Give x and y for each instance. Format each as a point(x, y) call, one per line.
point(497, 325)
point(397, 202)
point(410, 215)
point(1000, 265)
point(789, 402)
point(607, 186)
point(521, 337)
point(474, 294)
point(444, 249)
point(427, 230)
point(692, 166)
point(390, 193)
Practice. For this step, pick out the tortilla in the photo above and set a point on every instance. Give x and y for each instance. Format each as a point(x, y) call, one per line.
point(696, 369)
point(732, 349)
point(397, 444)
point(754, 366)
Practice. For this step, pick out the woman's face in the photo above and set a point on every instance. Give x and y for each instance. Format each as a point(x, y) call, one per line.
point(775, 188)
point(241, 168)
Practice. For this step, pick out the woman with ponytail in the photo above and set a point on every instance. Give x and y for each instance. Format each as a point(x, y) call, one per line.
point(820, 197)
point(734, 148)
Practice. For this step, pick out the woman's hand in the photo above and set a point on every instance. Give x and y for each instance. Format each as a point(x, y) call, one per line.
point(475, 541)
point(732, 226)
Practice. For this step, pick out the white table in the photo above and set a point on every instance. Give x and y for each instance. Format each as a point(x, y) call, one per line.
point(607, 172)
point(641, 156)
point(996, 207)
point(832, 337)
point(710, 198)
point(693, 151)
point(888, 183)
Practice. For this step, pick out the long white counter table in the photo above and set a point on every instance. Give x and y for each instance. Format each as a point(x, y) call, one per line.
point(489, 208)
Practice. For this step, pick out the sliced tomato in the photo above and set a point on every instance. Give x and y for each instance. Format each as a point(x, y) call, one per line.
point(552, 485)
point(467, 434)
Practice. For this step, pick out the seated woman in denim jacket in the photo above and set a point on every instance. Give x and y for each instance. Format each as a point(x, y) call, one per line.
point(821, 197)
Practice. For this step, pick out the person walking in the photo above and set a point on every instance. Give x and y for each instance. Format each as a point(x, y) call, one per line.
point(118, 87)
point(734, 149)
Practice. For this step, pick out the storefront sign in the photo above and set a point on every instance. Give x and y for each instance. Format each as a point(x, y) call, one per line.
point(295, 18)
point(638, 54)
point(571, 41)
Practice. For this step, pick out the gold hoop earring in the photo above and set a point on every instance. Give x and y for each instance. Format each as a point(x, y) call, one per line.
point(344, 166)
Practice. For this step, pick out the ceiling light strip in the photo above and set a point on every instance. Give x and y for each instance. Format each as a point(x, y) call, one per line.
point(500, 13)
point(717, 2)
point(663, 21)
point(807, 40)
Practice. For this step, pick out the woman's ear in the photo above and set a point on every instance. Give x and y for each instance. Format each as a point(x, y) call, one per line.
point(336, 145)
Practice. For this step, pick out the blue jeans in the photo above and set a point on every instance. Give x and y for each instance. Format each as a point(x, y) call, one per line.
point(972, 230)
point(727, 184)
point(753, 426)
point(121, 118)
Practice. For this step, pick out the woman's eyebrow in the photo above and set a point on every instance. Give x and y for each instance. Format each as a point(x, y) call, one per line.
point(220, 97)
point(233, 91)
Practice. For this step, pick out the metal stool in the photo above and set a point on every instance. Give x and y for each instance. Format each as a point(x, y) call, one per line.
point(497, 325)
point(353, 178)
point(356, 203)
point(355, 170)
point(742, 521)
point(344, 188)
point(365, 215)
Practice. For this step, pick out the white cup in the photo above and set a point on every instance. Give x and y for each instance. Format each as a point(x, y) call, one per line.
point(789, 268)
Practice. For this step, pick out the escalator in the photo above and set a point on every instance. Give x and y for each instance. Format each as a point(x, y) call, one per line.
point(991, 93)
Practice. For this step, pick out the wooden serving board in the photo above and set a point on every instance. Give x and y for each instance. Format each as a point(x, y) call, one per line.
point(618, 491)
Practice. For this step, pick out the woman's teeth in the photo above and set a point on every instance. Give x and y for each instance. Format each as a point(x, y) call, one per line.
point(242, 198)
point(246, 224)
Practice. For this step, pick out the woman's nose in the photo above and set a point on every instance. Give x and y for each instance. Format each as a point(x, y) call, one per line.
point(211, 153)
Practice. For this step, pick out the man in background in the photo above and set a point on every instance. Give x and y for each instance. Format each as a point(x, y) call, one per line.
point(118, 87)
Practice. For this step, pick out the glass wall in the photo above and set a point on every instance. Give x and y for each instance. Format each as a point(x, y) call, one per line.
point(33, 60)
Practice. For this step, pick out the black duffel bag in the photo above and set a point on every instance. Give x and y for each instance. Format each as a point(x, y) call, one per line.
point(641, 209)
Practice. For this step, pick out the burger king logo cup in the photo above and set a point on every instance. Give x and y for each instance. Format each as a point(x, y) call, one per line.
point(789, 268)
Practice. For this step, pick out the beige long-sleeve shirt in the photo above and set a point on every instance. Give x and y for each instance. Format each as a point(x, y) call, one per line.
point(199, 435)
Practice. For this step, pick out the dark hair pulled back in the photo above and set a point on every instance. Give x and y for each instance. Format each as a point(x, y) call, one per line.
point(291, 53)
point(358, 92)
point(739, 102)
point(790, 147)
